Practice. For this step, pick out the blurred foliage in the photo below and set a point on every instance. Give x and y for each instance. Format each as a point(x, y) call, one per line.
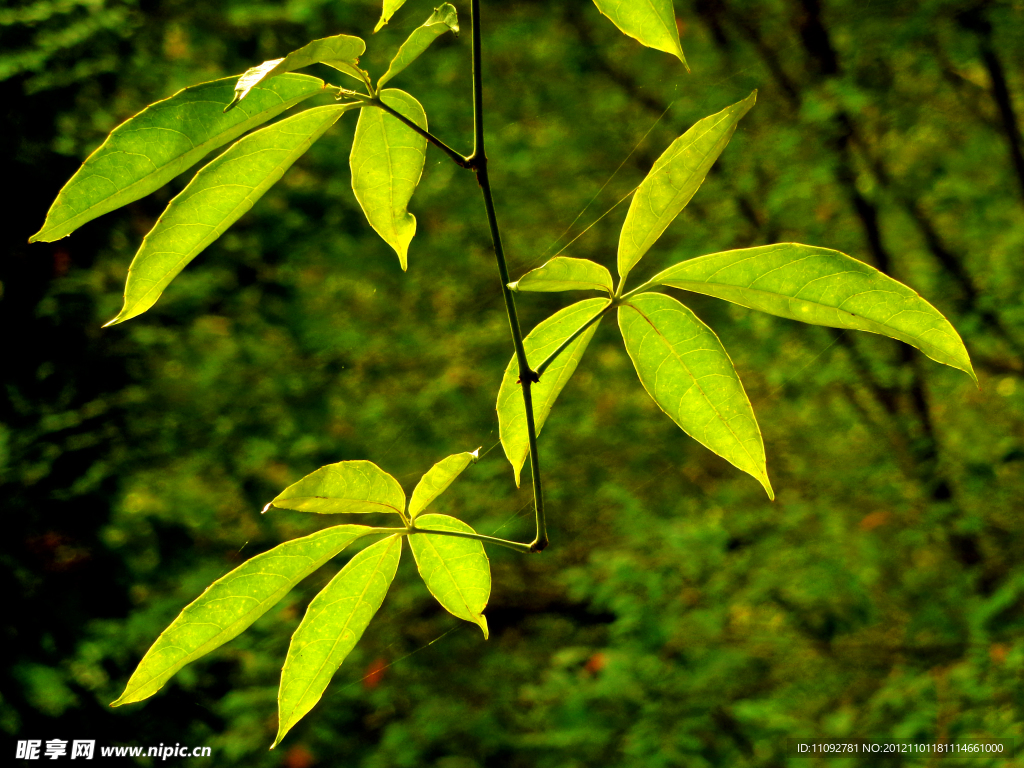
point(679, 618)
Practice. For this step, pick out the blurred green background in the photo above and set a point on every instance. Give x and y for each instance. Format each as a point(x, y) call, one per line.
point(679, 617)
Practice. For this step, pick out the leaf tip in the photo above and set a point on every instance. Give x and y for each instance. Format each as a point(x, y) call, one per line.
point(481, 622)
point(767, 486)
point(380, 25)
point(514, 286)
point(476, 454)
point(268, 507)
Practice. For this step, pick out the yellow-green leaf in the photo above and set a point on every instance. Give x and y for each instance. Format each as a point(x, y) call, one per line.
point(165, 139)
point(345, 487)
point(685, 368)
point(455, 570)
point(822, 287)
point(443, 19)
point(340, 51)
point(333, 624)
point(563, 273)
point(390, 7)
point(652, 22)
point(437, 479)
point(215, 199)
point(674, 179)
point(232, 603)
point(541, 342)
point(387, 162)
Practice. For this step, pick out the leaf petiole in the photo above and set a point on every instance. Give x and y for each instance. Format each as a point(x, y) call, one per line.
point(375, 101)
point(575, 335)
point(412, 529)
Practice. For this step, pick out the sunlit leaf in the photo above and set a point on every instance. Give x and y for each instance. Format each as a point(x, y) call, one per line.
point(687, 371)
point(566, 274)
point(673, 180)
point(822, 287)
point(437, 479)
point(333, 624)
point(215, 199)
point(390, 7)
point(387, 162)
point(148, 150)
point(341, 52)
point(455, 570)
point(443, 19)
point(542, 341)
point(345, 487)
point(652, 22)
point(232, 603)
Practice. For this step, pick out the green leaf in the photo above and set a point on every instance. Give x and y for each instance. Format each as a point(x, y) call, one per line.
point(340, 51)
point(390, 7)
point(541, 342)
point(437, 479)
point(566, 274)
point(387, 162)
point(232, 603)
point(165, 139)
point(442, 20)
point(455, 570)
point(822, 287)
point(215, 199)
point(652, 22)
point(333, 624)
point(345, 487)
point(673, 180)
point(687, 371)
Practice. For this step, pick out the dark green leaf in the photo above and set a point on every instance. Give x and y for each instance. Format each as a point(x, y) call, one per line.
point(442, 20)
point(455, 570)
point(542, 341)
point(437, 479)
point(684, 367)
point(341, 52)
point(145, 152)
point(652, 22)
point(822, 287)
point(345, 487)
point(387, 162)
point(232, 603)
point(566, 274)
point(215, 199)
point(333, 624)
point(673, 180)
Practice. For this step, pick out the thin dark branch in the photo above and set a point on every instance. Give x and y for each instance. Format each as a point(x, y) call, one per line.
point(527, 377)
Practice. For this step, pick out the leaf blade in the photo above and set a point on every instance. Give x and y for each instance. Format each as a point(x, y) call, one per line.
point(438, 478)
point(387, 162)
point(333, 624)
point(542, 341)
point(660, 336)
point(841, 292)
point(160, 142)
point(263, 579)
point(339, 51)
point(651, 22)
point(343, 488)
point(443, 19)
point(564, 273)
point(223, 191)
point(389, 10)
point(455, 570)
point(673, 181)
